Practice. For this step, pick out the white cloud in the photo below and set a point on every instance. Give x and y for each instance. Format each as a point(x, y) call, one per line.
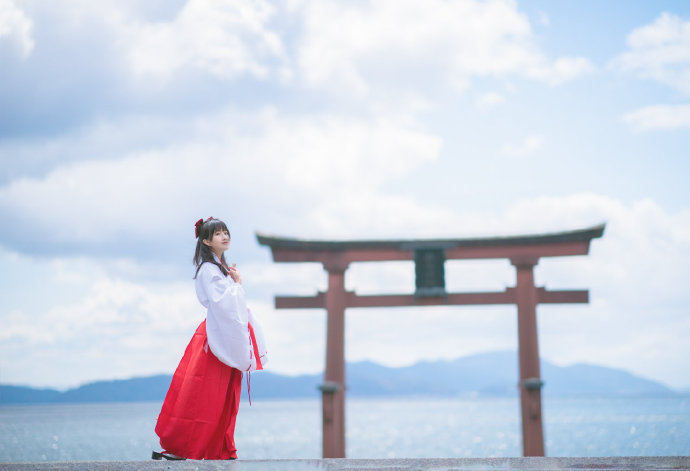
point(659, 117)
point(528, 146)
point(118, 330)
point(376, 215)
point(489, 100)
point(660, 51)
point(262, 159)
point(356, 46)
point(562, 70)
point(223, 38)
point(335, 154)
point(151, 41)
point(16, 27)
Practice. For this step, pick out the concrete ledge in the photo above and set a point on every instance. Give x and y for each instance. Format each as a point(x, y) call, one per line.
point(623, 463)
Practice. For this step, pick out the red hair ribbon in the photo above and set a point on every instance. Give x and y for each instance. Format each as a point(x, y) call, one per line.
point(198, 224)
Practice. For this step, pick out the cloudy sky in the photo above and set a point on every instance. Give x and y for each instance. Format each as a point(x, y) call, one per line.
point(124, 121)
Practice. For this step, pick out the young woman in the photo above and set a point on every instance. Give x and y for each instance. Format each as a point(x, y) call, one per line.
point(197, 420)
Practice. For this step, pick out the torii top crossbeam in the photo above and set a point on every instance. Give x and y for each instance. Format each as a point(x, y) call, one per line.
point(515, 248)
point(523, 250)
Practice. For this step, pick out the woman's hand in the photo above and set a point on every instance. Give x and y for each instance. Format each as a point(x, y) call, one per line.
point(235, 274)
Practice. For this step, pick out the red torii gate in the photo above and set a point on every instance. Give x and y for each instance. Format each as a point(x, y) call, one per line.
point(429, 256)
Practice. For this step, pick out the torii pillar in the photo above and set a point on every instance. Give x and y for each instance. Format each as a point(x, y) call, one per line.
point(333, 389)
point(528, 352)
point(429, 256)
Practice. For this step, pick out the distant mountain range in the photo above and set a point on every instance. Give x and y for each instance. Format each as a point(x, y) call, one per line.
point(493, 374)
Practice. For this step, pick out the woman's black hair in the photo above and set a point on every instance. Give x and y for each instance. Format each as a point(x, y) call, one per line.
point(203, 252)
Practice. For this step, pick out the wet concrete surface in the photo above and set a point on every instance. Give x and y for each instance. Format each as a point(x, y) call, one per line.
point(422, 464)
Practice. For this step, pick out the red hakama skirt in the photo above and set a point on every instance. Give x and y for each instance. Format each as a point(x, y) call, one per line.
point(197, 420)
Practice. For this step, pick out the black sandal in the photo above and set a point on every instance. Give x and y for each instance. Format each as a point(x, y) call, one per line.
point(164, 455)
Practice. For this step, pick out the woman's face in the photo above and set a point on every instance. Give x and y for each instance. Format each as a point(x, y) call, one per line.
point(219, 243)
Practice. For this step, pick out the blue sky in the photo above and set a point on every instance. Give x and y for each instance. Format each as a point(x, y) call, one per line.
point(123, 122)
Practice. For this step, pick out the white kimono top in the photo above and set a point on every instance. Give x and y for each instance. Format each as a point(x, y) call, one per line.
point(227, 320)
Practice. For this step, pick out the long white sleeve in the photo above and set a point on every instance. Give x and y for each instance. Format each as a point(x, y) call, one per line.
point(227, 317)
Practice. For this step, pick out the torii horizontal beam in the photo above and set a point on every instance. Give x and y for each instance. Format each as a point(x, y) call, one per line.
point(509, 296)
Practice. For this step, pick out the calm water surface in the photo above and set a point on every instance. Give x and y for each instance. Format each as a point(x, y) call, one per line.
point(376, 428)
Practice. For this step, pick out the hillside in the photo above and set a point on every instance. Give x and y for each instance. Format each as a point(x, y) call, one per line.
point(483, 374)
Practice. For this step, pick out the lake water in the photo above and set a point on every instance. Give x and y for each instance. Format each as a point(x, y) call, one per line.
point(376, 428)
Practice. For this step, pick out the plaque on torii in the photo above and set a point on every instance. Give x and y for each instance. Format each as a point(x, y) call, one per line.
point(429, 256)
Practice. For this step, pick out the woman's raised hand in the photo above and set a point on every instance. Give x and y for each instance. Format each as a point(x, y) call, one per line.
point(235, 274)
